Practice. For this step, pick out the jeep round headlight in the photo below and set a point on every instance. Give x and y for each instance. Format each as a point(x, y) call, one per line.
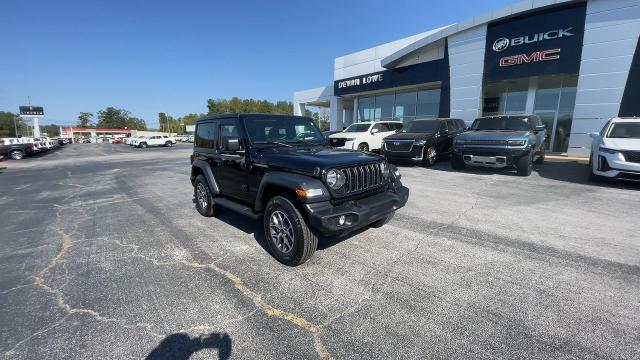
point(384, 169)
point(335, 179)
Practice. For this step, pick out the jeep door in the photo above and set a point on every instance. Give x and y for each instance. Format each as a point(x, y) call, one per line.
point(231, 170)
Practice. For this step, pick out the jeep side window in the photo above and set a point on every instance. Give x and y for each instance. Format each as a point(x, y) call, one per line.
point(206, 136)
point(227, 132)
point(452, 126)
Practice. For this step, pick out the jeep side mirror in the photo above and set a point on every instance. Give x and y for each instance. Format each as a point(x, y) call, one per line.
point(594, 135)
point(373, 131)
point(232, 144)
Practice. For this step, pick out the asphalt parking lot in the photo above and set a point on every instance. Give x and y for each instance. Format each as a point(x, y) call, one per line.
point(104, 256)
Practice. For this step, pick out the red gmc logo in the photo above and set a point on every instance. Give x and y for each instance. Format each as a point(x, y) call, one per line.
point(543, 55)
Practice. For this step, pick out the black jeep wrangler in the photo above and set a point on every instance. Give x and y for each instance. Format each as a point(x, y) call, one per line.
point(278, 167)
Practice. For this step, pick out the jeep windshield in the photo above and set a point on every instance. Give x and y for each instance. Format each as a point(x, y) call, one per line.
point(421, 126)
point(625, 131)
point(357, 128)
point(501, 123)
point(283, 131)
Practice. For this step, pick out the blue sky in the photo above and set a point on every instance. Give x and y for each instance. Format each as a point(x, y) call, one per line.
point(171, 56)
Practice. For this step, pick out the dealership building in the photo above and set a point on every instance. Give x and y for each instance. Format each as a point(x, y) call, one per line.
point(573, 63)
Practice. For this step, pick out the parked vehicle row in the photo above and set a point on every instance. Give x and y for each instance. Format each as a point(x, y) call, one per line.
point(503, 141)
point(18, 148)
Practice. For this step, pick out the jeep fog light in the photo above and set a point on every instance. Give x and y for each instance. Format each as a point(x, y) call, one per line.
point(342, 219)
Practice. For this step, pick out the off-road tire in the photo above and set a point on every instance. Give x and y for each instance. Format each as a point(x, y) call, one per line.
point(457, 163)
point(142, 145)
point(540, 159)
point(305, 242)
point(524, 166)
point(364, 147)
point(383, 221)
point(426, 160)
point(208, 208)
point(16, 155)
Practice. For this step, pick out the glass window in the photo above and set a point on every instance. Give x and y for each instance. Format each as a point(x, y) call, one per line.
point(205, 136)
point(366, 108)
point(357, 128)
point(513, 123)
point(384, 107)
point(283, 130)
point(627, 130)
point(428, 103)
point(421, 126)
point(405, 106)
point(505, 97)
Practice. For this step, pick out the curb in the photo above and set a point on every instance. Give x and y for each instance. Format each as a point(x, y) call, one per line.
point(566, 158)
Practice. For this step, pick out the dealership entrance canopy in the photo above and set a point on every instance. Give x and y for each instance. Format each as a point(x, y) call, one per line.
point(574, 63)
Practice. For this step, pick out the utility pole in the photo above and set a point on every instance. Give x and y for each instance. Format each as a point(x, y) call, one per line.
point(15, 125)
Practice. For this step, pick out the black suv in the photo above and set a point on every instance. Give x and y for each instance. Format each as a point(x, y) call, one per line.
point(277, 166)
point(423, 140)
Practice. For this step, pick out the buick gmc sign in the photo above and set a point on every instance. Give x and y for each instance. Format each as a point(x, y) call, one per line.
point(503, 43)
point(543, 43)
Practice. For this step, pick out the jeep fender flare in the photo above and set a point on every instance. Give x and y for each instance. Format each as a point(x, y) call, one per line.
point(208, 174)
point(291, 182)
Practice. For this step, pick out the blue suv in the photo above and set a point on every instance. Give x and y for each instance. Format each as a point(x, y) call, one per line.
point(501, 141)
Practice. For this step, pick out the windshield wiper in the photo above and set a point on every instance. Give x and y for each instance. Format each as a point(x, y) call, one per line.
point(274, 143)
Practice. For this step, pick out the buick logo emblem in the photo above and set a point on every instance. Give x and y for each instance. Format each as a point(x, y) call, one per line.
point(501, 44)
point(396, 143)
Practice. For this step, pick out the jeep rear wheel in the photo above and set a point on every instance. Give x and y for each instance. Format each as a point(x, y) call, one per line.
point(203, 197)
point(16, 155)
point(457, 163)
point(525, 164)
point(287, 233)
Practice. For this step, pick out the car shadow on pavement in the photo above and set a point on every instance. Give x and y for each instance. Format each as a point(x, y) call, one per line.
point(254, 227)
point(578, 173)
point(181, 346)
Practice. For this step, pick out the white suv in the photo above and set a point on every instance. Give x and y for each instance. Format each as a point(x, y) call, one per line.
point(364, 136)
point(156, 140)
point(615, 151)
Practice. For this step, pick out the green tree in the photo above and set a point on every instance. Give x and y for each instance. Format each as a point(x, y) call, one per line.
point(52, 130)
point(8, 123)
point(113, 118)
point(235, 104)
point(84, 120)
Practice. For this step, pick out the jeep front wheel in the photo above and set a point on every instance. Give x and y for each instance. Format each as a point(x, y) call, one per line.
point(430, 156)
point(203, 197)
point(288, 235)
point(525, 164)
point(364, 147)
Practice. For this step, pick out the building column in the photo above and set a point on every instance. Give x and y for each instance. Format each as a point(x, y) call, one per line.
point(298, 109)
point(531, 95)
point(36, 128)
point(336, 114)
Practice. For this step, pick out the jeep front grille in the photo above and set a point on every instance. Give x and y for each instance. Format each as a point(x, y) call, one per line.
point(361, 178)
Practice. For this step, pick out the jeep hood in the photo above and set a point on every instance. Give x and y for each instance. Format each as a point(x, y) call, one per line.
point(306, 160)
point(408, 136)
point(494, 135)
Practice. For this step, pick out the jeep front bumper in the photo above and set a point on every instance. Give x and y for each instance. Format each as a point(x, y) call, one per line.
point(325, 217)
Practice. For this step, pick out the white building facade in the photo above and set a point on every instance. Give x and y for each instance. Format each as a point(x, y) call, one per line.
point(575, 63)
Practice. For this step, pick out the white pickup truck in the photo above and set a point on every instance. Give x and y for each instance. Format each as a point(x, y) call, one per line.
point(156, 140)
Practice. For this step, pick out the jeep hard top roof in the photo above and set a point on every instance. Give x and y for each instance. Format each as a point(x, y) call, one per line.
point(244, 115)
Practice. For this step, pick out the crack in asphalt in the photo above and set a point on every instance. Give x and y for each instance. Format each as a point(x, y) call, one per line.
point(256, 298)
